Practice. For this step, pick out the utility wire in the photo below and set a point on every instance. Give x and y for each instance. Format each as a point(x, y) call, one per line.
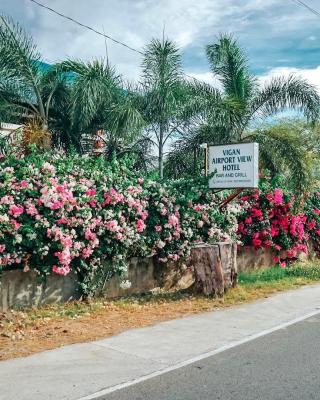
point(86, 26)
point(97, 32)
point(303, 4)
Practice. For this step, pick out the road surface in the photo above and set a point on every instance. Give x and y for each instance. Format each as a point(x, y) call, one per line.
point(280, 366)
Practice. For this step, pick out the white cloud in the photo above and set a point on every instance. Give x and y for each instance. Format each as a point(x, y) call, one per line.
point(207, 77)
point(268, 29)
point(311, 75)
point(133, 22)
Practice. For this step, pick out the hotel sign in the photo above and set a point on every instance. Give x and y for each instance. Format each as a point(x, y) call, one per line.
point(235, 166)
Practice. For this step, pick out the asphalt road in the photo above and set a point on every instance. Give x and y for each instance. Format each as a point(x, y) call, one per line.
point(284, 365)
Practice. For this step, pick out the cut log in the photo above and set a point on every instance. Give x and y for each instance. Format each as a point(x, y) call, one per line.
point(214, 268)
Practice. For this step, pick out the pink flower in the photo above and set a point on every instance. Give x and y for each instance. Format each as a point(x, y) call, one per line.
point(91, 192)
point(173, 220)
point(56, 205)
point(158, 228)
point(274, 231)
point(256, 213)
point(267, 243)
point(2, 248)
point(316, 211)
point(291, 253)
point(89, 235)
point(23, 183)
point(244, 198)
point(276, 259)
point(256, 242)
point(248, 221)
point(93, 203)
point(119, 236)
point(311, 224)
point(163, 211)
point(61, 270)
point(15, 224)
point(66, 241)
point(62, 221)
point(140, 225)
point(16, 210)
point(112, 225)
point(144, 215)
point(278, 196)
point(283, 264)
point(86, 252)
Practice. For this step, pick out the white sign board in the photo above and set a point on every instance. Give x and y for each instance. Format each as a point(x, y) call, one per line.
point(235, 166)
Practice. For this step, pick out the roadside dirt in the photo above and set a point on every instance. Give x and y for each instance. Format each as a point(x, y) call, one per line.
point(26, 332)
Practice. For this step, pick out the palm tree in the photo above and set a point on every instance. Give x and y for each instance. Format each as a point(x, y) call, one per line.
point(95, 98)
point(69, 99)
point(243, 101)
point(25, 88)
point(162, 97)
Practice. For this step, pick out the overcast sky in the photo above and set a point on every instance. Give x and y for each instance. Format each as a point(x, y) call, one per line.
point(278, 35)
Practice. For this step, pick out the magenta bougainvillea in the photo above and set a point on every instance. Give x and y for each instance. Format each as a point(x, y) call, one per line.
point(270, 219)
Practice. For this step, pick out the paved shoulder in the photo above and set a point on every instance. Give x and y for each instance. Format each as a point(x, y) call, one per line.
point(90, 369)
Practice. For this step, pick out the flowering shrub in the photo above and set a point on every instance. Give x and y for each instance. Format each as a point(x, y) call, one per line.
point(268, 220)
point(60, 213)
point(182, 213)
point(312, 213)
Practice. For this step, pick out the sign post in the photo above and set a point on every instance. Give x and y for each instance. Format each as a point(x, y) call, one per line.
point(206, 155)
point(235, 166)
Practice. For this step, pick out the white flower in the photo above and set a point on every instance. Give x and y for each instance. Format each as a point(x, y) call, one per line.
point(160, 244)
point(18, 238)
point(125, 284)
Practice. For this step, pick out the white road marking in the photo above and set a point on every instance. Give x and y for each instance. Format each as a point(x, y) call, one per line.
point(200, 357)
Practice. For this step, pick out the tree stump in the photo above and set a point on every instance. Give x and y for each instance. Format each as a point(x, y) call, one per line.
point(214, 268)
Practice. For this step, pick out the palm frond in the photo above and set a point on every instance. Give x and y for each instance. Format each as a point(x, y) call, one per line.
point(283, 151)
point(229, 63)
point(94, 85)
point(19, 61)
point(287, 93)
point(162, 65)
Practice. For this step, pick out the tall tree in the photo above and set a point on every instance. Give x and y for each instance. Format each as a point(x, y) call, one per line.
point(95, 98)
point(162, 92)
point(25, 89)
point(245, 101)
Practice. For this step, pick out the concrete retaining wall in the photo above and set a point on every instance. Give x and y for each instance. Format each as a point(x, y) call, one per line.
point(20, 289)
point(249, 259)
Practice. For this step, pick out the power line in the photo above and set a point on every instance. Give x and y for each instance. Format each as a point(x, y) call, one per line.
point(86, 26)
point(303, 4)
point(97, 32)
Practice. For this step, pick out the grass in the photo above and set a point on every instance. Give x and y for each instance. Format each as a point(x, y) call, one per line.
point(36, 329)
point(306, 271)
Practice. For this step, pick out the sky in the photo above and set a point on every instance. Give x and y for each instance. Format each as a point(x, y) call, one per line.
point(279, 36)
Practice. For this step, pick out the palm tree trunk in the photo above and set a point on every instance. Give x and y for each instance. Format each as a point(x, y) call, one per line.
point(161, 151)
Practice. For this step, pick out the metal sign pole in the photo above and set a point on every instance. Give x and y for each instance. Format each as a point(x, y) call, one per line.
point(206, 157)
